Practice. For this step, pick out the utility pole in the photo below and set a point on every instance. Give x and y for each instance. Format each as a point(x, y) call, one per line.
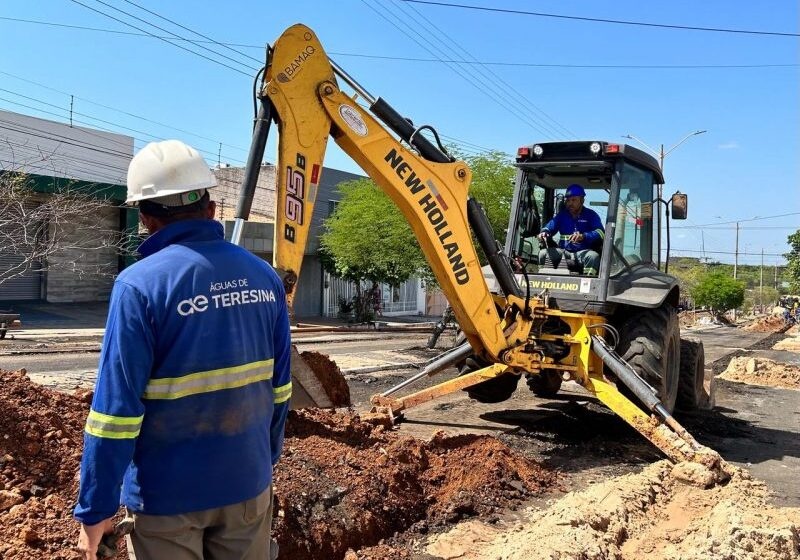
point(776, 274)
point(761, 284)
point(736, 255)
point(661, 155)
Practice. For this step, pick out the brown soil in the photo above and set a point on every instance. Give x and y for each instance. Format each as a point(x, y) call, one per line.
point(341, 483)
point(762, 371)
point(346, 484)
point(330, 376)
point(770, 323)
point(41, 437)
point(646, 515)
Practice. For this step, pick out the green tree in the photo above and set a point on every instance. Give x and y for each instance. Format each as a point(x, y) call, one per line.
point(793, 266)
point(719, 292)
point(493, 186)
point(368, 240)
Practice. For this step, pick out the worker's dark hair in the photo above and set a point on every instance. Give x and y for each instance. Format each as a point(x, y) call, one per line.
point(170, 214)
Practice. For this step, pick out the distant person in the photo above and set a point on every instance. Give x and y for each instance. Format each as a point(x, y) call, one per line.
point(193, 385)
point(580, 228)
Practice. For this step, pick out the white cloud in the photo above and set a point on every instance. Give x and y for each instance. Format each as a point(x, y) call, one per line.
point(732, 145)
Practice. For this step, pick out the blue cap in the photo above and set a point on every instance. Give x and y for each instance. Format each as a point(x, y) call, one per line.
point(575, 190)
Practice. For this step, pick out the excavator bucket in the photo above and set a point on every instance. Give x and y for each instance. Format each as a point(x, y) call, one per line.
point(317, 382)
point(307, 389)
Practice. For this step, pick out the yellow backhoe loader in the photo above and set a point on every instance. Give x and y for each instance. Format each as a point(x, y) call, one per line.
point(615, 333)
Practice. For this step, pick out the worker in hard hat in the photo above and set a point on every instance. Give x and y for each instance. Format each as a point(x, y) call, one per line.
point(193, 385)
point(580, 230)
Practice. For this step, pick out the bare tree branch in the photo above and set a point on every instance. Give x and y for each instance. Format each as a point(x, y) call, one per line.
point(66, 229)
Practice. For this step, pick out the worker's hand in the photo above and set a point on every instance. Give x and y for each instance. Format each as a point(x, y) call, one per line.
point(544, 235)
point(576, 237)
point(90, 537)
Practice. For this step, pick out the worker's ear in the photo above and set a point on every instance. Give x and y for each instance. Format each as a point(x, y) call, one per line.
point(150, 223)
point(211, 210)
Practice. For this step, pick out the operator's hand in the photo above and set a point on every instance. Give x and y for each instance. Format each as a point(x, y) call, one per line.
point(544, 235)
point(576, 237)
point(90, 536)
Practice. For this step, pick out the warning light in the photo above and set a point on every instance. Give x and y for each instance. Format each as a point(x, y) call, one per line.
point(523, 151)
point(612, 149)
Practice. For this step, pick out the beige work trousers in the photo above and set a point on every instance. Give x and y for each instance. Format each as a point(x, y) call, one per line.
point(236, 532)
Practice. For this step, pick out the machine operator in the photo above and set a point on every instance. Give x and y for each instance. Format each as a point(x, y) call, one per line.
point(580, 229)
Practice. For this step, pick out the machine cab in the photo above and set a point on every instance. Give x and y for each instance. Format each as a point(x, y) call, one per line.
point(618, 181)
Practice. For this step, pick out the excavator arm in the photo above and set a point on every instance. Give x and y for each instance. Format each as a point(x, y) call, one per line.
point(302, 88)
point(301, 94)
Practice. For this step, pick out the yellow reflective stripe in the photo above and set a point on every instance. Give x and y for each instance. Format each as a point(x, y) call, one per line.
point(283, 393)
point(601, 233)
point(209, 381)
point(113, 427)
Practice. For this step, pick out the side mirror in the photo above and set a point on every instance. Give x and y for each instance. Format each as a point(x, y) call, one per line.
point(680, 206)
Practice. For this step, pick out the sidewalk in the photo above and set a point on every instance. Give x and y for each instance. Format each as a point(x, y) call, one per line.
point(92, 315)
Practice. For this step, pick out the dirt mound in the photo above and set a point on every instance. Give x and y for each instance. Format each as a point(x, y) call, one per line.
point(346, 484)
point(330, 377)
point(794, 331)
point(790, 343)
point(762, 371)
point(769, 323)
point(41, 437)
point(646, 515)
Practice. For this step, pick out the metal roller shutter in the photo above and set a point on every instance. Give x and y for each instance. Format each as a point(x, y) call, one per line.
point(26, 286)
point(18, 287)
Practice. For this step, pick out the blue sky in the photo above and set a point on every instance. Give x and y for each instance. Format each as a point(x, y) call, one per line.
point(746, 166)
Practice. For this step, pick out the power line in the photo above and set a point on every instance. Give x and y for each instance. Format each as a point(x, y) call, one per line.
point(418, 59)
point(573, 66)
point(734, 227)
point(755, 219)
point(510, 108)
point(201, 55)
point(724, 252)
point(261, 62)
point(183, 131)
point(96, 127)
point(603, 20)
point(546, 118)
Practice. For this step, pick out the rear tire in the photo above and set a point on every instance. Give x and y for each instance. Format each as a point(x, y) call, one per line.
point(545, 384)
point(650, 342)
point(691, 392)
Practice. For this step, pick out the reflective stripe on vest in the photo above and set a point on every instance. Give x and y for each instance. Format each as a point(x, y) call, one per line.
point(113, 427)
point(208, 381)
point(282, 393)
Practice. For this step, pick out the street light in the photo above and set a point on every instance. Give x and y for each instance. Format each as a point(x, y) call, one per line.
point(661, 154)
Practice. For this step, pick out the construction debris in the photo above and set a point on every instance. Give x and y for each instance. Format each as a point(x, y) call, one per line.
point(762, 371)
point(652, 514)
point(767, 323)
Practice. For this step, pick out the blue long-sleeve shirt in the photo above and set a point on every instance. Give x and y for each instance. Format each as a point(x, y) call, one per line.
point(588, 223)
point(193, 385)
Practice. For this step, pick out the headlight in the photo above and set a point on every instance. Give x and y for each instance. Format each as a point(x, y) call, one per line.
point(595, 148)
point(537, 150)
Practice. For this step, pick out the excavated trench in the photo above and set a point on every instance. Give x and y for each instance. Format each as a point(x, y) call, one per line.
point(341, 484)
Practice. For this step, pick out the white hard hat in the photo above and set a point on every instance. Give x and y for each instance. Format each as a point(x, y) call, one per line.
point(170, 171)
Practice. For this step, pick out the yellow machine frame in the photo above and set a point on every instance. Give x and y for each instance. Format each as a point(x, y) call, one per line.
point(301, 85)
